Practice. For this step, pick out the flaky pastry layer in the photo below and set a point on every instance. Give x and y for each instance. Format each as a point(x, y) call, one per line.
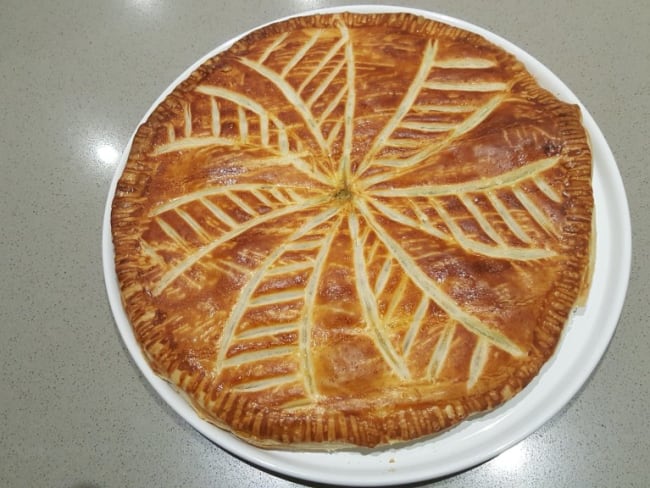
point(353, 229)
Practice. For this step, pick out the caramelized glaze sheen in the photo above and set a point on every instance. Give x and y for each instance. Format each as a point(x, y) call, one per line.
point(353, 230)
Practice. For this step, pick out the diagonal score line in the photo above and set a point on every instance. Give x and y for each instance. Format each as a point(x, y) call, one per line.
point(483, 184)
point(486, 186)
point(266, 383)
point(199, 254)
point(292, 96)
point(254, 188)
point(269, 50)
point(500, 251)
point(242, 102)
point(432, 290)
point(192, 143)
point(249, 357)
point(535, 212)
point(344, 166)
point(404, 166)
point(408, 222)
point(368, 306)
point(215, 117)
point(323, 62)
point(481, 220)
point(324, 85)
point(333, 104)
point(301, 53)
point(187, 120)
point(477, 364)
point(245, 102)
point(416, 324)
point(405, 105)
point(243, 302)
point(441, 351)
point(305, 326)
point(291, 159)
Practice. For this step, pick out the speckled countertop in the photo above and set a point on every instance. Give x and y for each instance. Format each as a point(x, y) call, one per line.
point(75, 79)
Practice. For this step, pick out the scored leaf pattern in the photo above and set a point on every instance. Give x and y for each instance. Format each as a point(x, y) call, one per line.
point(333, 196)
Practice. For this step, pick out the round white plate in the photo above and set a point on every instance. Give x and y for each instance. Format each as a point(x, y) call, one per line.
point(473, 442)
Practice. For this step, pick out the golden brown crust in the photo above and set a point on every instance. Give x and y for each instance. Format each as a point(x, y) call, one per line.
point(353, 229)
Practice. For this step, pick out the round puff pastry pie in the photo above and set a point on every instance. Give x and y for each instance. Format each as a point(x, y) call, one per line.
point(353, 230)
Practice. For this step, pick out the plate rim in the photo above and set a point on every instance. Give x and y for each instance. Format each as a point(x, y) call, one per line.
point(288, 462)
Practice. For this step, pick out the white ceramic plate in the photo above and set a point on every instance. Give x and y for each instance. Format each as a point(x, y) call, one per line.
point(475, 441)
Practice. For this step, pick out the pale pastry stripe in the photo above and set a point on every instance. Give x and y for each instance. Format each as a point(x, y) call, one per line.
point(187, 118)
point(323, 62)
point(369, 306)
point(408, 144)
point(501, 250)
point(192, 143)
point(219, 214)
point(260, 196)
point(547, 189)
point(334, 133)
point(199, 254)
point(332, 105)
point(429, 127)
point(265, 384)
point(239, 202)
point(468, 124)
point(482, 221)
point(396, 297)
point(426, 64)
point(254, 189)
point(244, 299)
point(382, 277)
point(215, 117)
point(303, 246)
point(465, 63)
point(477, 363)
point(274, 45)
point(171, 232)
point(466, 86)
point(535, 212)
point(295, 197)
point(373, 250)
point(424, 221)
point(300, 53)
point(325, 83)
point(504, 179)
point(344, 165)
point(278, 297)
point(307, 322)
point(189, 220)
point(243, 125)
point(171, 132)
point(453, 109)
point(431, 288)
point(249, 357)
point(290, 268)
point(403, 219)
point(289, 92)
point(268, 331)
point(416, 322)
point(439, 356)
point(278, 195)
point(507, 217)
